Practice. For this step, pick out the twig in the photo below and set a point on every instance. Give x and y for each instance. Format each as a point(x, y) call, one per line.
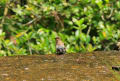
point(29, 47)
point(35, 19)
point(4, 15)
point(111, 13)
point(57, 18)
point(89, 29)
point(30, 22)
point(107, 17)
point(103, 18)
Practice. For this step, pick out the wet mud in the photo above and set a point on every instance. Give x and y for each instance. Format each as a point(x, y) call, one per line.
point(96, 66)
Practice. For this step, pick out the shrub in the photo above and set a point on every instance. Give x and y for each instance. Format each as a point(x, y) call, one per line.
point(84, 26)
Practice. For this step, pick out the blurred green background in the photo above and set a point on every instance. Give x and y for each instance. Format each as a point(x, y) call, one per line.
point(30, 26)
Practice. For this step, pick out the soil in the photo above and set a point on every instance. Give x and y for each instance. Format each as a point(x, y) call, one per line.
point(95, 66)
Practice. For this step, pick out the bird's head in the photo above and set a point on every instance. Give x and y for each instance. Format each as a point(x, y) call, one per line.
point(57, 38)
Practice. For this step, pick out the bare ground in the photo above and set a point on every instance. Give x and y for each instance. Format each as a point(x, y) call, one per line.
point(96, 66)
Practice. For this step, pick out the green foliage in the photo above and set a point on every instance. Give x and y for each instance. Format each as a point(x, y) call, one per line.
point(84, 26)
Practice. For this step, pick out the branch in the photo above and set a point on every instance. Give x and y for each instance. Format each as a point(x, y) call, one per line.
point(30, 50)
point(30, 22)
point(4, 15)
point(35, 19)
point(103, 18)
point(111, 13)
point(57, 18)
point(89, 29)
point(107, 17)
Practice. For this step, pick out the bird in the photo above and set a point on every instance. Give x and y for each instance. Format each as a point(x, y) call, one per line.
point(60, 47)
point(118, 45)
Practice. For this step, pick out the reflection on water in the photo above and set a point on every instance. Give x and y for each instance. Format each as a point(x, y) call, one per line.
point(70, 67)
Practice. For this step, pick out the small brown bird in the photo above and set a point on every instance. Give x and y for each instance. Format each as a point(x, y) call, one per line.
point(118, 45)
point(60, 47)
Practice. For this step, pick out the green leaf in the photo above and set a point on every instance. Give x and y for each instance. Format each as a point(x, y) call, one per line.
point(79, 22)
point(77, 34)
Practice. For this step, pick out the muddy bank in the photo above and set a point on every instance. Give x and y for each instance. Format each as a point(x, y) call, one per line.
point(94, 66)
